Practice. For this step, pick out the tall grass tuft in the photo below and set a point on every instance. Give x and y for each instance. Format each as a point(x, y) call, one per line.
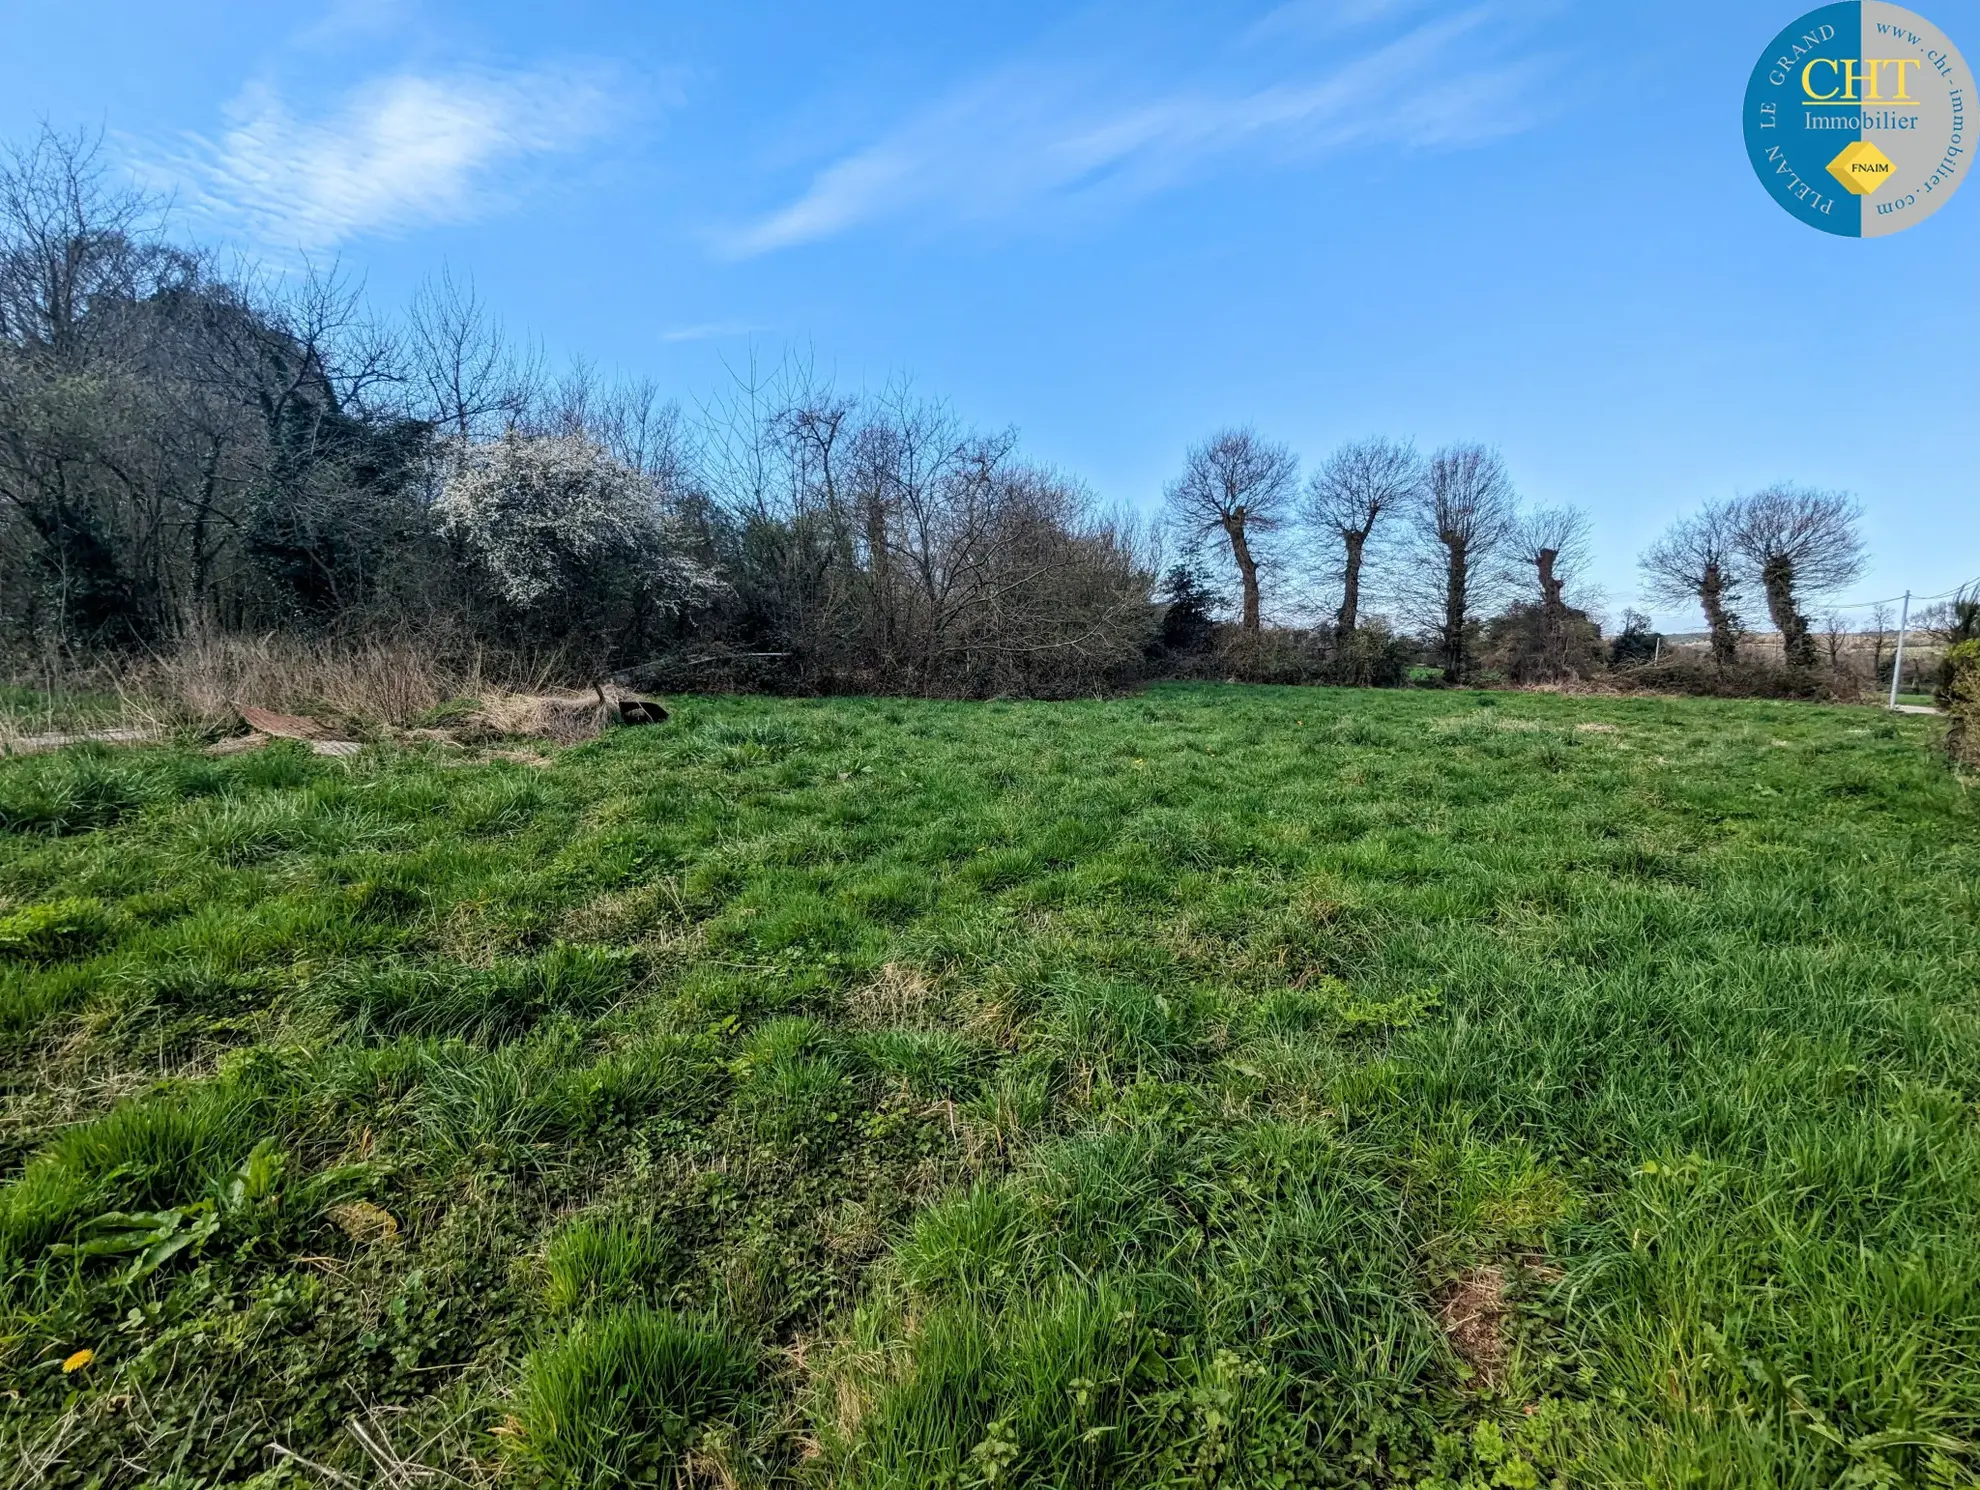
point(592, 1261)
point(145, 1154)
point(623, 1396)
point(76, 791)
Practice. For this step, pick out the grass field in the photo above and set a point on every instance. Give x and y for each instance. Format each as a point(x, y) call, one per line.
point(1224, 1086)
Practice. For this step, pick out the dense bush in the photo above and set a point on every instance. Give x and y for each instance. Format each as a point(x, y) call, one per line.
point(1371, 656)
point(1189, 614)
point(1953, 625)
point(1962, 701)
point(1518, 645)
point(1681, 673)
point(1636, 643)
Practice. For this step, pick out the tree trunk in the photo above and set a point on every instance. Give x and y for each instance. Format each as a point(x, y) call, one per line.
point(1351, 585)
point(1247, 570)
point(1457, 583)
point(1712, 595)
point(1797, 646)
point(880, 579)
point(1553, 617)
point(202, 558)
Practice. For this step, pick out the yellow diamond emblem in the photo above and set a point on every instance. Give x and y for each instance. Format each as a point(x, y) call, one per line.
point(1861, 167)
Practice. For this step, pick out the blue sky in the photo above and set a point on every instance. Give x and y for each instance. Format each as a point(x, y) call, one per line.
point(1114, 226)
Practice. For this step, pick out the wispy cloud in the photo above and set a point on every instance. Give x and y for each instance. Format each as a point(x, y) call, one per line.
point(1295, 17)
point(1033, 140)
point(396, 153)
point(341, 22)
point(712, 331)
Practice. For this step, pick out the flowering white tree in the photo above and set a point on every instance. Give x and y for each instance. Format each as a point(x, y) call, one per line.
point(546, 515)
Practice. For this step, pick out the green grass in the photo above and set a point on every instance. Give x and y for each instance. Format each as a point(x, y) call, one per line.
point(33, 711)
point(1119, 1093)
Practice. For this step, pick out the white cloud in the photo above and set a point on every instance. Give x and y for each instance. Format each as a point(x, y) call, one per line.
point(396, 153)
point(1034, 139)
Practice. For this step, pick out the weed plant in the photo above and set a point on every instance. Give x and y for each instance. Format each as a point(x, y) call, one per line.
point(1226, 1086)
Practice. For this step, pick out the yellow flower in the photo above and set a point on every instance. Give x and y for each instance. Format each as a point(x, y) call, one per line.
point(77, 1361)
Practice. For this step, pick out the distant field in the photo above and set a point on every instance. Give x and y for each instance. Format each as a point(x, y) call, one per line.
point(1224, 1086)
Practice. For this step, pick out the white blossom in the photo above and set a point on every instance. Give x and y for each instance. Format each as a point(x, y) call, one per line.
point(535, 510)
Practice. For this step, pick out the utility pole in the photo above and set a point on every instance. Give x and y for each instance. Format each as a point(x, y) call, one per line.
point(1897, 663)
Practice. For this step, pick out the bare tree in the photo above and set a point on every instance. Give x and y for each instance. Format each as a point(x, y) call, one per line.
point(471, 381)
point(1800, 544)
point(68, 237)
point(880, 542)
point(1836, 632)
point(1695, 561)
point(1553, 543)
point(1349, 495)
point(643, 432)
point(1463, 521)
point(1240, 485)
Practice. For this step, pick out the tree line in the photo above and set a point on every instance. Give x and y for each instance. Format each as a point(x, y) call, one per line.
point(1475, 577)
point(190, 448)
point(186, 449)
point(1443, 539)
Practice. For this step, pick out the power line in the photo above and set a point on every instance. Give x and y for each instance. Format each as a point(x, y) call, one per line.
point(1972, 584)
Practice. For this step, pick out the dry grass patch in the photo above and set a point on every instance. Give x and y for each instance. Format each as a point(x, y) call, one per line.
point(897, 995)
point(390, 681)
point(1474, 1313)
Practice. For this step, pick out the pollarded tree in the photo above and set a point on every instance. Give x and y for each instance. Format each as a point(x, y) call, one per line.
point(1552, 543)
point(1240, 485)
point(1800, 544)
point(1349, 495)
point(1695, 560)
point(1463, 521)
